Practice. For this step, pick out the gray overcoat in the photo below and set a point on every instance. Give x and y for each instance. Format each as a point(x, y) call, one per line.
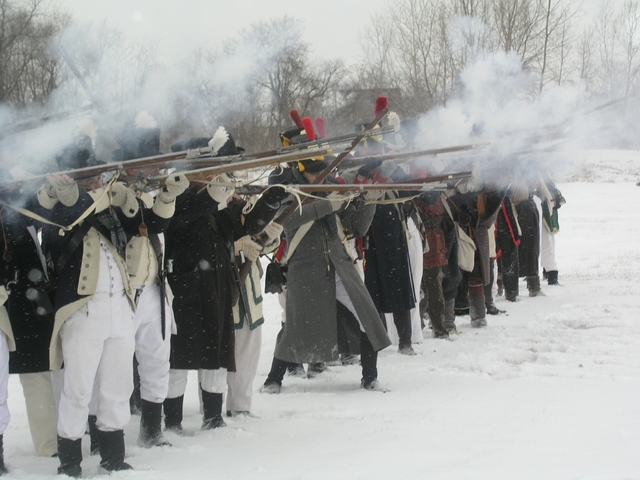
point(310, 332)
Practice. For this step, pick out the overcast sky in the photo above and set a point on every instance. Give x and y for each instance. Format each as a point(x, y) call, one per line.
point(332, 27)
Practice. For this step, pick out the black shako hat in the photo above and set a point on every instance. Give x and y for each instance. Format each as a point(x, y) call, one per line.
point(140, 138)
point(78, 154)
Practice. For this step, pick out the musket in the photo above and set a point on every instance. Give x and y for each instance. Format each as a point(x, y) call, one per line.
point(203, 174)
point(199, 157)
point(76, 73)
point(95, 170)
point(203, 157)
point(345, 188)
point(349, 137)
point(208, 172)
point(325, 173)
point(558, 130)
point(417, 184)
point(40, 121)
point(360, 161)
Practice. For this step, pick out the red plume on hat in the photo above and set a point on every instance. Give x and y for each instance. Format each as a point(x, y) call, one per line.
point(381, 104)
point(308, 128)
point(295, 116)
point(322, 132)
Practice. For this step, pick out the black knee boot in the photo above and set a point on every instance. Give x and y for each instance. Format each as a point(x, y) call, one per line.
point(212, 406)
point(368, 359)
point(150, 426)
point(112, 451)
point(402, 321)
point(274, 380)
point(173, 414)
point(70, 455)
point(94, 448)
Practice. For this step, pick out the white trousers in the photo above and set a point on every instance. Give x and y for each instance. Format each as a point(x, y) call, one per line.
point(97, 348)
point(548, 250)
point(212, 381)
point(4, 383)
point(240, 382)
point(416, 263)
point(41, 395)
point(152, 351)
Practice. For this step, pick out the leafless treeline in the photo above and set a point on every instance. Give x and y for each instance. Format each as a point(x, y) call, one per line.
point(414, 52)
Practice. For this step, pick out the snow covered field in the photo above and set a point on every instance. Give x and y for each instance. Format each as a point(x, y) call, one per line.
point(551, 390)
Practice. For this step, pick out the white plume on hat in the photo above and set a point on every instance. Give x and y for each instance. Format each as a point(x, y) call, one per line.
point(219, 139)
point(145, 120)
point(88, 128)
point(394, 120)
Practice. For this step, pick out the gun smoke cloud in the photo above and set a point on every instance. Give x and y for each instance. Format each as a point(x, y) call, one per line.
point(498, 101)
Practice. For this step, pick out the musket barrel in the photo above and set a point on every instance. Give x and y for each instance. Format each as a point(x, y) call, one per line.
point(411, 184)
point(212, 171)
point(349, 137)
point(359, 161)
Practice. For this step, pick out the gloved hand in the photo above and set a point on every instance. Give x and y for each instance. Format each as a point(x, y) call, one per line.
point(175, 185)
point(220, 190)
point(251, 249)
point(123, 197)
point(337, 201)
point(64, 189)
point(274, 196)
point(373, 195)
point(370, 164)
point(273, 230)
point(387, 168)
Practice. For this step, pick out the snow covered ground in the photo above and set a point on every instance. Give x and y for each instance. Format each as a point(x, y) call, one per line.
point(551, 390)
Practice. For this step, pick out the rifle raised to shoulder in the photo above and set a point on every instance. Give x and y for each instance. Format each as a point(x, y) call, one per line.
point(416, 184)
point(360, 161)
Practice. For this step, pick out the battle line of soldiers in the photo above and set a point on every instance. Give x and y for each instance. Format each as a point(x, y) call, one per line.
point(121, 277)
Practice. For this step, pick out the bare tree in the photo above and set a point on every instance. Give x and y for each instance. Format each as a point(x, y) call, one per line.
point(284, 74)
point(629, 39)
point(517, 25)
point(555, 40)
point(585, 57)
point(617, 38)
point(28, 74)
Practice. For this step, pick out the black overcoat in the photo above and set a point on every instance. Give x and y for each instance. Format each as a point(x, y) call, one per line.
point(387, 270)
point(199, 245)
point(31, 332)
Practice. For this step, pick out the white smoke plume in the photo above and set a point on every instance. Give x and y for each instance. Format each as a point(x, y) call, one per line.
point(498, 104)
point(188, 98)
